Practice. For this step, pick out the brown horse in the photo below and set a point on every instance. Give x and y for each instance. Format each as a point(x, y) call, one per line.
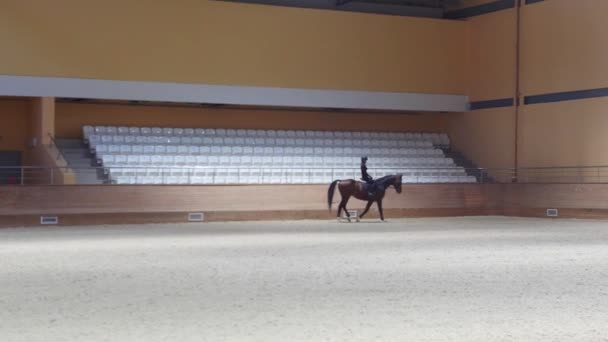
point(351, 187)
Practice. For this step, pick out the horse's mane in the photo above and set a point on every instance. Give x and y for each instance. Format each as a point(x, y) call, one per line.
point(383, 180)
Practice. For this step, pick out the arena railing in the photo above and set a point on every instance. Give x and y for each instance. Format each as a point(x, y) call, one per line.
point(59, 155)
point(30, 175)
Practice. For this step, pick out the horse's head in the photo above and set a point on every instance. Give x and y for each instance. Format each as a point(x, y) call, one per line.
point(397, 183)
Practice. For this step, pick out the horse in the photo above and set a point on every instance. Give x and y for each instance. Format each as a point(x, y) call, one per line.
point(357, 189)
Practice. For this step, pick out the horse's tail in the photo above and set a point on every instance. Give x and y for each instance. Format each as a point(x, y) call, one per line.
point(330, 193)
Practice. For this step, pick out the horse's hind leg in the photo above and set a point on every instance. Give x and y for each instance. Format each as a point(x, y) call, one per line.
point(343, 204)
point(340, 207)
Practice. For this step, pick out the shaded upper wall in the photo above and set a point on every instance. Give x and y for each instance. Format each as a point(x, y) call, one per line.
point(70, 117)
point(455, 5)
point(218, 42)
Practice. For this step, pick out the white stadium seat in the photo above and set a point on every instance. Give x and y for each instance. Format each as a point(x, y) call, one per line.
point(87, 131)
point(289, 155)
point(171, 150)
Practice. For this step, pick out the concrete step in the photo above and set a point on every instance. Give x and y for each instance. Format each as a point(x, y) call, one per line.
point(89, 181)
point(73, 149)
point(84, 169)
point(80, 162)
point(83, 178)
point(89, 177)
point(69, 143)
point(75, 153)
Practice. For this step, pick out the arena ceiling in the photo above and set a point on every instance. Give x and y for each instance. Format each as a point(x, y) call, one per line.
point(414, 8)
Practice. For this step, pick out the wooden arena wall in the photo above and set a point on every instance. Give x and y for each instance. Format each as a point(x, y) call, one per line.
point(219, 42)
point(156, 204)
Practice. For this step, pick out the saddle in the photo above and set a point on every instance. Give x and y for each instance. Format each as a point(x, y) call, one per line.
point(370, 188)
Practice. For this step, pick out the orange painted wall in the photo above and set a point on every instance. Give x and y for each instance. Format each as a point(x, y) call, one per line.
point(218, 42)
point(570, 133)
point(492, 57)
point(487, 137)
point(70, 117)
point(564, 46)
point(14, 125)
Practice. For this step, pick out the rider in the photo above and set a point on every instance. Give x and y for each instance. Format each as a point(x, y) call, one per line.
point(371, 185)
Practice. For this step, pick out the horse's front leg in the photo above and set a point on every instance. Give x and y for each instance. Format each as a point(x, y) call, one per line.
point(380, 209)
point(369, 204)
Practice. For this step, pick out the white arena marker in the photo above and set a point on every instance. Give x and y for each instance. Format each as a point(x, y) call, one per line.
point(196, 217)
point(49, 220)
point(354, 215)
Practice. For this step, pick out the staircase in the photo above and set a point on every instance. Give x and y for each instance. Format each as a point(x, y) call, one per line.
point(81, 161)
point(470, 167)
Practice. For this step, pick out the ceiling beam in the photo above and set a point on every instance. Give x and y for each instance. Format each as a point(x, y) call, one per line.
point(230, 95)
point(365, 6)
point(343, 2)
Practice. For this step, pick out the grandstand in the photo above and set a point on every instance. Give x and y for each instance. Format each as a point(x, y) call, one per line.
point(144, 155)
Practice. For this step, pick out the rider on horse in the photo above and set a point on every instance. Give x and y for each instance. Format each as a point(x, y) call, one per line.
point(371, 184)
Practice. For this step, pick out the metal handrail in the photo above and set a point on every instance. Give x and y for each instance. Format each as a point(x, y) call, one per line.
point(54, 144)
point(244, 167)
point(316, 167)
point(559, 167)
point(223, 167)
point(555, 174)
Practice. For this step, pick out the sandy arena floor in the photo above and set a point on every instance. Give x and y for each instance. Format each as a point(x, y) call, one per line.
point(446, 279)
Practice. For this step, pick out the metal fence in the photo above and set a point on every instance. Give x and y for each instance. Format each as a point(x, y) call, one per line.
point(26, 175)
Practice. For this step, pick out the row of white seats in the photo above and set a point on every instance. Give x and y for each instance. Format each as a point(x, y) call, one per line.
point(266, 161)
point(272, 179)
point(260, 151)
point(283, 172)
point(96, 140)
point(437, 138)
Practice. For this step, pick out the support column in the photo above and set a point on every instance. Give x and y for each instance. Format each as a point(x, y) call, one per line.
point(43, 121)
point(49, 165)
